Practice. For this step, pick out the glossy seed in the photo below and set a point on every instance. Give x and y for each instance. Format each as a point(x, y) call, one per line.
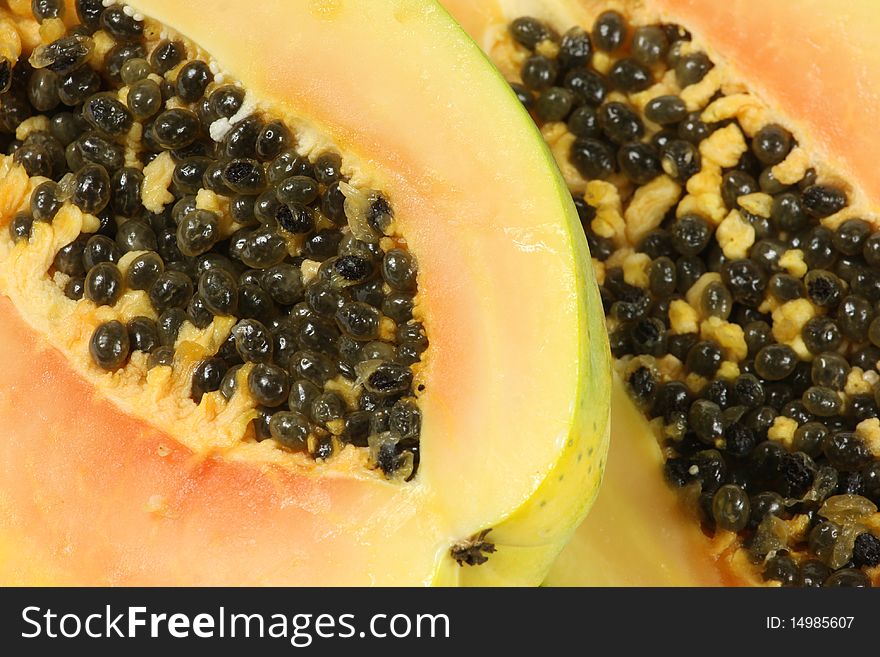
point(144, 270)
point(358, 320)
point(328, 168)
point(35, 160)
point(666, 110)
point(705, 419)
point(823, 200)
point(823, 288)
point(772, 144)
point(255, 303)
point(20, 227)
point(389, 379)
point(357, 428)
point(45, 201)
point(226, 100)
point(99, 248)
point(730, 508)
point(529, 31)
point(620, 123)
point(822, 401)
point(172, 289)
point(399, 270)
point(272, 140)
point(851, 235)
point(630, 76)
point(785, 287)
point(680, 159)
point(197, 232)
point(735, 184)
point(649, 44)
point(104, 284)
point(268, 384)
point(253, 341)
point(134, 70)
point(295, 218)
point(244, 176)
point(575, 49)
point(219, 291)
point(69, 260)
point(609, 31)
point(775, 362)
point(143, 334)
point(539, 73)
point(189, 174)
point(554, 104)
point(593, 158)
point(297, 189)
point(43, 90)
point(107, 114)
point(166, 55)
point(812, 573)
point(291, 429)
point(830, 370)
point(175, 128)
point(821, 334)
point(847, 577)
point(746, 281)
point(109, 345)
point(192, 80)
point(846, 451)
point(91, 147)
point(716, 300)
point(704, 358)
point(284, 284)
point(302, 393)
point(690, 234)
point(584, 123)
point(662, 276)
point(692, 68)
point(125, 188)
point(640, 162)
point(120, 24)
point(326, 408)
point(136, 235)
point(207, 377)
point(44, 9)
point(263, 248)
point(693, 129)
point(63, 55)
point(588, 86)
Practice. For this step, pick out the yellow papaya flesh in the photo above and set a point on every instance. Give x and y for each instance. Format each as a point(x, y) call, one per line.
point(118, 477)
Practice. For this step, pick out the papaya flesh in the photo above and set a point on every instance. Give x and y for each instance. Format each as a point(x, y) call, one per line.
point(806, 70)
point(119, 477)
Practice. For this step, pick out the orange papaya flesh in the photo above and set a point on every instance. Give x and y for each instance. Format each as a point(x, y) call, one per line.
point(118, 477)
point(823, 96)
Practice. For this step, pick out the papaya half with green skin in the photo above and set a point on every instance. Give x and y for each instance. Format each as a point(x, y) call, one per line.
point(124, 467)
point(810, 68)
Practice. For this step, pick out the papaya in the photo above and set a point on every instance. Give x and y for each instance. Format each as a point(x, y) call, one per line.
point(721, 159)
point(276, 306)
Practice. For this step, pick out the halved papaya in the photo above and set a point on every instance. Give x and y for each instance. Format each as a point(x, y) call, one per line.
point(220, 365)
point(721, 160)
